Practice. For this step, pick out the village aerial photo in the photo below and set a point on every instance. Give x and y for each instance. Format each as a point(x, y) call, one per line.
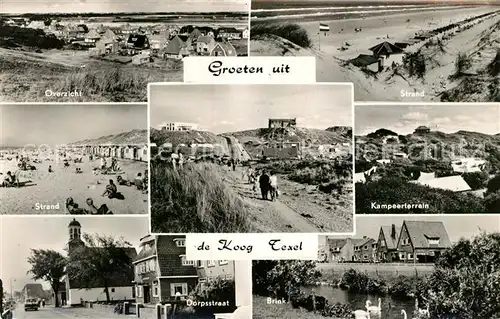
point(74, 159)
point(392, 50)
point(108, 51)
point(106, 268)
point(253, 159)
point(395, 267)
point(427, 159)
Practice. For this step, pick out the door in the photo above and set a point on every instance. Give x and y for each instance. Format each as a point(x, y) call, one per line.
point(147, 294)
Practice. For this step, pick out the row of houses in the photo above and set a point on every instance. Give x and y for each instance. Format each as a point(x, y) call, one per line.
point(137, 152)
point(413, 241)
point(159, 272)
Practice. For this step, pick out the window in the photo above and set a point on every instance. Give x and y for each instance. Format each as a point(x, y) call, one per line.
point(366, 247)
point(187, 262)
point(433, 241)
point(155, 289)
point(112, 289)
point(178, 288)
point(223, 262)
point(406, 241)
point(138, 291)
point(211, 263)
point(199, 263)
point(365, 256)
point(180, 242)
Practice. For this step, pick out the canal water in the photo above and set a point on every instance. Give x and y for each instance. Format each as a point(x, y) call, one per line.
point(391, 308)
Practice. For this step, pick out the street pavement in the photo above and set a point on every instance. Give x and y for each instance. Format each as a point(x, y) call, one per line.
point(74, 313)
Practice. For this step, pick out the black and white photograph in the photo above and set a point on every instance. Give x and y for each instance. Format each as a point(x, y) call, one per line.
point(394, 267)
point(74, 159)
point(89, 267)
point(391, 50)
point(251, 158)
point(436, 158)
point(108, 51)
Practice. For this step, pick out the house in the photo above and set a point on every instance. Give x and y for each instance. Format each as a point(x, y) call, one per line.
point(162, 271)
point(223, 49)
point(453, 183)
point(36, 24)
point(245, 34)
point(387, 243)
point(176, 49)
point(365, 249)
point(275, 123)
point(107, 45)
point(422, 241)
point(205, 45)
point(207, 31)
point(422, 130)
point(368, 62)
point(468, 165)
point(158, 41)
point(228, 33)
point(339, 250)
point(140, 59)
point(385, 49)
point(137, 43)
point(120, 285)
point(177, 126)
point(92, 36)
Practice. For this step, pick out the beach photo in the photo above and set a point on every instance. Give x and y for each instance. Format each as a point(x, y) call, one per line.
point(89, 267)
point(391, 50)
point(74, 159)
point(251, 158)
point(393, 268)
point(108, 51)
point(436, 158)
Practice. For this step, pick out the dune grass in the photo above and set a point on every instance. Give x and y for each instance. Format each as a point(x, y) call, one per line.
point(289, 31)
point(194, 199)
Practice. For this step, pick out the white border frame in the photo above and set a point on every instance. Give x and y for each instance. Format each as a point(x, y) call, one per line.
point(255, 84)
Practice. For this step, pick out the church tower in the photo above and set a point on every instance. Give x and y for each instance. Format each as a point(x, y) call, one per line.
point(75, 239)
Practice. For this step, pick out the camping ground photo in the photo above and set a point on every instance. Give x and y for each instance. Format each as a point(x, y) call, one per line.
point(251, 158)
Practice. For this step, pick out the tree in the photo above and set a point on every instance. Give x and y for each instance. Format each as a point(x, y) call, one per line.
point(100, 262)
point(494, 184)
point(48, 265)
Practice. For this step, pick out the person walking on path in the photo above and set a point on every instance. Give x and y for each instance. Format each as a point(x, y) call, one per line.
point(233, 164)
point(273, 186)
point(264, 185)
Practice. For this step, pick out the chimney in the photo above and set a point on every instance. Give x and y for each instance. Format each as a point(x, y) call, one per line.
point(393, 231)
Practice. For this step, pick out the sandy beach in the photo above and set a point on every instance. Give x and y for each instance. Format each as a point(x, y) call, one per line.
point(479, 43)
point(53, 188)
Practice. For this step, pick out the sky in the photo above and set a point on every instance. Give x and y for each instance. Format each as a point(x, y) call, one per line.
point(59, 124)
point(447, 118)
point(457, 226)
point(19, 234)
point(232, 108)
point(110, 6)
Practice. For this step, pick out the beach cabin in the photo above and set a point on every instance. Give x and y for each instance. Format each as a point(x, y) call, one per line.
point(140, 59)
point(389, 52)
point(367, 62)
point(143, 153)
point(223, 49)
point(205, 45)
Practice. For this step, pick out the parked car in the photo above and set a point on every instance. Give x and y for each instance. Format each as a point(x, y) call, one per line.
point(31, 304)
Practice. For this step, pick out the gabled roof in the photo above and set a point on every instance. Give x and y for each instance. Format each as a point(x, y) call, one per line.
point(420, 231)
point(205, 39)
point(169, 258)
point(391, 242)
point(228, 30)
point(175, 45)
point(93, 34)
point(184, 38)
point(148, 248)
point(336, 243)
point(138, 40)
point(385, 48)
point(452, 183)
point(227, 47)
point(361, 241)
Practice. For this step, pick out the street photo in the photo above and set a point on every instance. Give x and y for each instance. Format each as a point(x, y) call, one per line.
point(436, 158)
point(251, 158)
point(394, 267)
point(391, 50)
point(108, 51)
point(74, 159)
point(89, 267)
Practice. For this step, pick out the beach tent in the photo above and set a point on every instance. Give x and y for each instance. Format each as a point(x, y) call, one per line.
point(366, 61)
point(426, 176)
point(385, 48)
point(452, 183)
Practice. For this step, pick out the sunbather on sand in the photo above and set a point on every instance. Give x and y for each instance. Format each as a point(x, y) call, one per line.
point(9, 180)
point(73, 208)
point(111, 189)
point(122, 181)
point(103, 210)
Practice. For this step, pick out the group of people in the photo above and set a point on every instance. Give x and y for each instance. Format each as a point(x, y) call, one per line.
point(140, 181)
point(74, 209)
point(266, 182)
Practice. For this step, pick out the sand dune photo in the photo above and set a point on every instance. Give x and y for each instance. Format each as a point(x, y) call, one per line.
point(391, 50)
point(251, 158)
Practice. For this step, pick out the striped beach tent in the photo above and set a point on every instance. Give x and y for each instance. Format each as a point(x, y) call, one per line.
point(323, 27)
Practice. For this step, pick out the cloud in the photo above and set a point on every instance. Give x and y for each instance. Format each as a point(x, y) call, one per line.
point(415, 116)
point(441, 120)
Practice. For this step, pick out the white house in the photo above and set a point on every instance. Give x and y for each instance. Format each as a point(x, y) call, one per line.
point(468, 165)
point(245, 34)
point(177, 126)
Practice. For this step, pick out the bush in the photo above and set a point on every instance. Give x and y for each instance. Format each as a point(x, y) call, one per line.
point(492, 202)
point(291, 32)
point(494, 66)
point(217, 289)
point(493, 184)
point(476, 180)
point(462, 63)
point(194, 199)
point(14, 36)
point(356, 281)
point(414, 63)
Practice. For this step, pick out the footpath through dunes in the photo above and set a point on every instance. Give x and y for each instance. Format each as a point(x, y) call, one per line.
point(479, 43)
